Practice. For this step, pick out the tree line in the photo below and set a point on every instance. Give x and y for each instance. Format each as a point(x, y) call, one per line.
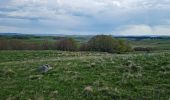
point(101, 43)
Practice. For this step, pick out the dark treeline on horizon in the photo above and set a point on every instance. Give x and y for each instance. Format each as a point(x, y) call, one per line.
point(103, 43)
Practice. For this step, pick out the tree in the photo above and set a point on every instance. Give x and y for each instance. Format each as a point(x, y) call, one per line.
point(102, 43)
point(67, 44)
point(46, 45)
point(3, 44)
point(105, 43)
point(84, 47)
point(123, 46)
point(15, 44)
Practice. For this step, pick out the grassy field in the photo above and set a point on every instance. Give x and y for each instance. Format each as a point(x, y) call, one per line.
point(84, 76)
point(156, 44)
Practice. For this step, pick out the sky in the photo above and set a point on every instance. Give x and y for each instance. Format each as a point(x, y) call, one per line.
point(85, 17)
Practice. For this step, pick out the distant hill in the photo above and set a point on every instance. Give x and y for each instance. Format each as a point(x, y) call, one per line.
point(84, 37)
point(143, 37)
point(10, 34)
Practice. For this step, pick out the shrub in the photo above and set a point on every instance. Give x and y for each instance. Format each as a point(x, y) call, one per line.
point(46, 45)
point(32, 46)
point(3, 44)
point(147, 49)
point(105, 43)
point(16, 44)
point(19, 37)
point(123, 46)
point(84, 47)
point(101, 43)
point(67, 44)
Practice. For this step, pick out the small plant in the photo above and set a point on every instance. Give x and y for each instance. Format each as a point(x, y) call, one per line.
point(93, 64)
point(54, 94)
point(35, 77)
point(88, 89)
point(9, 73)
point(147, 49)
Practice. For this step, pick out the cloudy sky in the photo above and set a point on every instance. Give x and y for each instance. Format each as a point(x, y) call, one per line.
point(117, 17)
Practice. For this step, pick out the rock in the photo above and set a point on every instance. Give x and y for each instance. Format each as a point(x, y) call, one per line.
point(44, 68)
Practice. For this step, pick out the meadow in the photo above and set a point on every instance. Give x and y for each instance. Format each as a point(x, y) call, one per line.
point(84, 75)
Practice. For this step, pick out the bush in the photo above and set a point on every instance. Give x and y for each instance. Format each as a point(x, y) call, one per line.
point(3, 44)
point(105, 43)
point(67, 44)
point(123, 46)
point(12, 44)
point(101, 43)
point(147, 49)
point(17, 44)
point(19, 37)
point(84, 47)
point(46, 45)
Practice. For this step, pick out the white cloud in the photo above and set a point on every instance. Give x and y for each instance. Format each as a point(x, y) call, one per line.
point(136, 29)
point(164, 30)
point(144, 30)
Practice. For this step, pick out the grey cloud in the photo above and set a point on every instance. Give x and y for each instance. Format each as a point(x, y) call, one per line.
point(86, 15)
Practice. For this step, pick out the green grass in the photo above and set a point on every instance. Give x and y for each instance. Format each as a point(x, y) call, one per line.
point(157, 44)
point(84, 76)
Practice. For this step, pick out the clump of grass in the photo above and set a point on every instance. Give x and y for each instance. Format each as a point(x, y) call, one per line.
point(99, 83)
point(70, 76)
point(39, 97)
point(88, 89)
point(89, 65)
point(165, 68)
point(164, 74)
point(105, 90)
point(88, 92)
point(131, 67)
point(35, 77)
point(93, 64)
point(54, 94)
point(9, 73)
point(84, 61)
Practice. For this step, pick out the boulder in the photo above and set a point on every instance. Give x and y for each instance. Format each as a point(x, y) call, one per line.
point(44, 68)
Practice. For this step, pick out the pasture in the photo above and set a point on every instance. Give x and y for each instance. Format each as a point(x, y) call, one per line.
point(84, 76)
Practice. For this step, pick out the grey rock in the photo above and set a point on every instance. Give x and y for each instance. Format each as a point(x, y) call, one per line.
point(44, 68)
